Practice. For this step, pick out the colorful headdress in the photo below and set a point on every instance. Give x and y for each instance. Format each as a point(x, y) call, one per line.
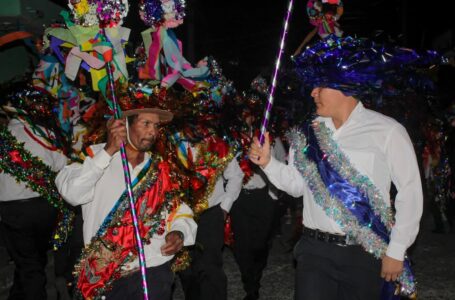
point(363, 68)
point(156, 13)
point(106, 13)
point(324, 15)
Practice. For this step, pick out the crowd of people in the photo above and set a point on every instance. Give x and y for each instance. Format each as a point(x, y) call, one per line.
point(141, 171)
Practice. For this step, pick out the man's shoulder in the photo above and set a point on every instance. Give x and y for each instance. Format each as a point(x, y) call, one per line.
point(372, 116)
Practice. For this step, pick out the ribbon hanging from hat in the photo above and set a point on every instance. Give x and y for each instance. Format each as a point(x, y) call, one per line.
point(165, 61)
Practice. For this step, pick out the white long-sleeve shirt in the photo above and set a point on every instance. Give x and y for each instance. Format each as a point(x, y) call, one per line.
point(98, 183)
point(378, 147)
point(10, 189)
point(224, 194)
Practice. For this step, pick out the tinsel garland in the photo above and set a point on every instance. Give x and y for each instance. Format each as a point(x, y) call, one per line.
point(103, 251)
point(340, 162)
point(210, 159)
point(29, 169)
point(334, 209)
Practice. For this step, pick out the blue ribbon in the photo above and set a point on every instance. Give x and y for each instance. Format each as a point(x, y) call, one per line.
point(122, 198)
point(356, 202)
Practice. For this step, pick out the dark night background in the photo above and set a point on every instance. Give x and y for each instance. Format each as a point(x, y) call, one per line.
point(244, 35)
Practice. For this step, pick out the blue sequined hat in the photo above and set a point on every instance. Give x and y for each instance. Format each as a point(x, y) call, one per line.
point(363, 68)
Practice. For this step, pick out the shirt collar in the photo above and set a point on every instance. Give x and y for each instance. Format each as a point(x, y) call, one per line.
point(352, 119)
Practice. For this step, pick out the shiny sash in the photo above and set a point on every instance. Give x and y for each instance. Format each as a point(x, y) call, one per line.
point(114, 245)
point(345, 195)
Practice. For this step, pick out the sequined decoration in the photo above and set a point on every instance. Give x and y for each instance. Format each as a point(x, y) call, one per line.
point(340, 162)
point(155, 13)
point(334, 209)
point(156, 222)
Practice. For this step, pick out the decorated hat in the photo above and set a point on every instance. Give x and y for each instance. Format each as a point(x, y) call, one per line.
point(24, 99)
point(135, 99)
point(363, 68)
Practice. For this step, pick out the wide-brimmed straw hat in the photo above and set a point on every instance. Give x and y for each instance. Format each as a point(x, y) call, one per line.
point(164, 115)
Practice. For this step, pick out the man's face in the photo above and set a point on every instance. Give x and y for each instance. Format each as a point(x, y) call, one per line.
point(144, 130)
point(327, 101)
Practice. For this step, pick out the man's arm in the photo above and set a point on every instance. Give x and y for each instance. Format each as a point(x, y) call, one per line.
point(181, 231)
point(234, 176)
point(405, 175)
point(76, 182)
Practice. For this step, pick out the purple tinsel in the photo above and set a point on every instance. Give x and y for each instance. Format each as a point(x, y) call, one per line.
point(362, 68)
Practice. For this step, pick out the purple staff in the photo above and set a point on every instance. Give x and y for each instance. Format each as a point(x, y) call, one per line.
point(126, 172)
point(268, 110)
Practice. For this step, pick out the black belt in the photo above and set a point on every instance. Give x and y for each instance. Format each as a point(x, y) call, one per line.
point(324, 236)
point(12, 202)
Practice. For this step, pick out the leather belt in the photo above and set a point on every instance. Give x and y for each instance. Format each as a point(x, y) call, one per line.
point(324, 236)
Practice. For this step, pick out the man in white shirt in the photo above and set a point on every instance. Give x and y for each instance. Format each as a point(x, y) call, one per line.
point(214, 159)
point(252, 219)
point(27, 219)
point(343, 164)
point(109, 264)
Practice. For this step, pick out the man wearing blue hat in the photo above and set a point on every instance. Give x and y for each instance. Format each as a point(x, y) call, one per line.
point(343, 163)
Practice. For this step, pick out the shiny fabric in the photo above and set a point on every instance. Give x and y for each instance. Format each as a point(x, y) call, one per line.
point(115, 242)
point(352, 199)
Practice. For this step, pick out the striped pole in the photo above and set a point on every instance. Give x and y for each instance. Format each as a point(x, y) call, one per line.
point(268, 109)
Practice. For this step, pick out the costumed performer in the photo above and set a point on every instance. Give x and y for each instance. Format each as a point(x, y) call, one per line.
point(109, 263)
point(30, 157)
point(343, 164)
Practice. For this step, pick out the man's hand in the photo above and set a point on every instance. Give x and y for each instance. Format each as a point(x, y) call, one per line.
point(391, 268)
point(174, 243)
point(116, 135)
point(260, 155)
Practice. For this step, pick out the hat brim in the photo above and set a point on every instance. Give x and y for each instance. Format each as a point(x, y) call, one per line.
point(164, 115)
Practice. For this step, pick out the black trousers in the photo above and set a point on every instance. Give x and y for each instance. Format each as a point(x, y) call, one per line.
point(205, 278)
point(252, 220)
point(66, 256)
point(27, 227)
point(159, 285)
point(327, 271)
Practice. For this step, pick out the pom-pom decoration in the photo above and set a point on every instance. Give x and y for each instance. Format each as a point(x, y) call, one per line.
point(105, 13)
point(167, 13)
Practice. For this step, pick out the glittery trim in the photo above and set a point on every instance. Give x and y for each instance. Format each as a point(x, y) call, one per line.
point(27, 168)
point(212, 161)
point(340, 162)
point(334, 209)
point(98, 247)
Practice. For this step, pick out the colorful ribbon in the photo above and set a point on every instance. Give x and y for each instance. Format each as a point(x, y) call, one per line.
point(162, 43)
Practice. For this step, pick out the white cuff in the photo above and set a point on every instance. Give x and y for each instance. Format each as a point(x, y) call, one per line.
point(226, 204)
point(272, 165)
point(396, 251)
